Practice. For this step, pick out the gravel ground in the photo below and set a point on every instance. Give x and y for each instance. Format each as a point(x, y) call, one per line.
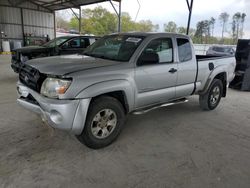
point(178, 146)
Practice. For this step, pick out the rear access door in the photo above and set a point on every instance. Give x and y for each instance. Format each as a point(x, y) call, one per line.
point(187, 68)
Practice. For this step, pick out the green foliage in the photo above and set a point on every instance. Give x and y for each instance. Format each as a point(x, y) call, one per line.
point(211, 23)
point(145, 26)
point(74, 23)
point(61, 22)
point(170, 27)
point(182, 30)
point(223, 17)
point(238, 25)
point(100, 21)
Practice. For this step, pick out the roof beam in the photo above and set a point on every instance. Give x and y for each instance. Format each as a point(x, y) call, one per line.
point(37, 4)
point(190, 8)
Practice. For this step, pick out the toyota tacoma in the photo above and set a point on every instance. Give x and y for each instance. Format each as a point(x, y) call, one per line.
point(90, 94)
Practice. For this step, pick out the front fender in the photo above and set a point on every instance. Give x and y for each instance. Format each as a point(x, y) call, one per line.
point(104, 87)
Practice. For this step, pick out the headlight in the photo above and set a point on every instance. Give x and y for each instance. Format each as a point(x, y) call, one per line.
point(53, 87)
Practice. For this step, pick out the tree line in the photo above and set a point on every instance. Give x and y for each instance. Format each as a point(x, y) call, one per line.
point(204, 31)
point(99, 21)
point(204, 28)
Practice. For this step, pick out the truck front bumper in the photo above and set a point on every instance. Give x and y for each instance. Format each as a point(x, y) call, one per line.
point(67, 115)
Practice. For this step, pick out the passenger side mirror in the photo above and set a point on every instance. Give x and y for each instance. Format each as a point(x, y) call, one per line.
point(148, 58)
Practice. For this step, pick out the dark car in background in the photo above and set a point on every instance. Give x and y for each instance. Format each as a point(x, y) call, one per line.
point(58, 46)
point(220, 50)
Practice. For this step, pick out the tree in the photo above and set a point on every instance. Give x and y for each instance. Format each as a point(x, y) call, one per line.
point(156, 27)
point(182, 30)
point(243, 16)
point(99, 21)
point(224, 19)
point(73, 23)
point(199, 30)
point(211, 23)
point(61, 22)
point(170, 27)
point(127, 23)
point(233, 30)
point(145, 26)
point(203, 30)
point(236, 25)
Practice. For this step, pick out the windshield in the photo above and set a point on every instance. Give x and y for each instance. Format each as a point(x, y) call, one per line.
point(222, 49)
point(56, 42)
point(114, 47)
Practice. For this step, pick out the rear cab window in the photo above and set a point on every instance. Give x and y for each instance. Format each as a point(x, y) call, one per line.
point(184, 49)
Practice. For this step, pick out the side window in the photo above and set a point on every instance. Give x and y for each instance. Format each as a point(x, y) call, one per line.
point(158, 49)
point(184, 50)
point(92, 40)
point(84, 42)
point(74, 43)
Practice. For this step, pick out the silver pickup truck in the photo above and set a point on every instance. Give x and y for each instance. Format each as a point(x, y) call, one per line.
point(90, 94)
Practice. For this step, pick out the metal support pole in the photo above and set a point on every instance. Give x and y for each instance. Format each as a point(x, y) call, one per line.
point(80, 19)
point(119, 17)
point(118, 13)
point(190, 8)
point(54, 14)
point(24, 42)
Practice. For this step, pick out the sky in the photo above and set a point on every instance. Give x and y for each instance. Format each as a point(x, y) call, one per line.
point(163, 11)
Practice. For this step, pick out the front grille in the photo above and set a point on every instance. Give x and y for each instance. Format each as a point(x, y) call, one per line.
point(31, 77)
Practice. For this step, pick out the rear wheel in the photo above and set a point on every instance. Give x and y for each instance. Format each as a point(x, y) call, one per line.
point(211, 99)
point(104, 122)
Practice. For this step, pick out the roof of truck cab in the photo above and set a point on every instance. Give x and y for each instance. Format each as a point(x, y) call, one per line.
point(145, 34)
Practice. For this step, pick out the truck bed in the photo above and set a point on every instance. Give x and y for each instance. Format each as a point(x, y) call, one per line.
point(203, 62)
point(210, 57)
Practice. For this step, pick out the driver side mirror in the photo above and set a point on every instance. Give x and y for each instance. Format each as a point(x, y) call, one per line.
point(148, 58)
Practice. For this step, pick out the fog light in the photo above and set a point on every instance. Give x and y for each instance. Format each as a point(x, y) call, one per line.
point(22, 91)
point(55, 117)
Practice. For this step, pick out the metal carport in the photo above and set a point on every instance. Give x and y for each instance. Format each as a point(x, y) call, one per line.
point(54, 5)
point(15, 15)
point(19, 17)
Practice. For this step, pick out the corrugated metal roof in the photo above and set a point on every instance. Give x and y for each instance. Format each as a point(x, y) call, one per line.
point(59, 4)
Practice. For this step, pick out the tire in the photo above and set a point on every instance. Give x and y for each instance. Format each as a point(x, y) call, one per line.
point(104, 122)
point(211, 99)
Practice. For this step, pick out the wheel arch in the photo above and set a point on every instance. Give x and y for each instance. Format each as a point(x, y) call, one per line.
point(119, 95)
point(223, 77)
point(119, 89)
point(220, 75)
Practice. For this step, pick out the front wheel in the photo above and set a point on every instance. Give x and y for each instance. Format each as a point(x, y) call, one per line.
point(211, 99)
point(104, 122)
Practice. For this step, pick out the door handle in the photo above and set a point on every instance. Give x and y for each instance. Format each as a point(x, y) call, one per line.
point(172, 70)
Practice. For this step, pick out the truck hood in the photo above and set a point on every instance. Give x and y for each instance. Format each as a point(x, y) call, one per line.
point(62, 65)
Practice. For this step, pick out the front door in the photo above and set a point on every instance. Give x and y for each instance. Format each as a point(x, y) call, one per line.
point(156, 80)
